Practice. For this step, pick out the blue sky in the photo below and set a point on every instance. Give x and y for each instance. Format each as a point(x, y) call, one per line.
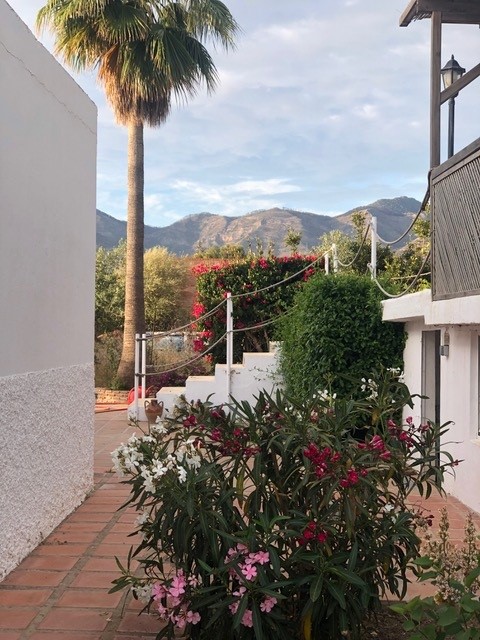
point(322, 107)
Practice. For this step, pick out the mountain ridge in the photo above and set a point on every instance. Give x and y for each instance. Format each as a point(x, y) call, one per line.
point(265, 225)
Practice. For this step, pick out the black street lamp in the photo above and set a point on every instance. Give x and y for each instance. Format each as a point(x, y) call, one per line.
point(451, 72)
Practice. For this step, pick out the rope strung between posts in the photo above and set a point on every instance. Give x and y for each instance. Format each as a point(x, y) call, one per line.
point(165, 334)
point(265, 323)
point(412, 284)
point(364, 239)
point(191, 361)
point(425, 200)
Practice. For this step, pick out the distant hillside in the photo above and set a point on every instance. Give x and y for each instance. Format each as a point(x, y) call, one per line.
point(270, 225)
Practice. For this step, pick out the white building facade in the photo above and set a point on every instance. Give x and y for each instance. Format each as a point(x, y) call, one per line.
point(47, 271)
point(441, 361)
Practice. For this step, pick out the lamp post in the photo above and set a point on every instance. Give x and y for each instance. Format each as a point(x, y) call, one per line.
point(451, 72)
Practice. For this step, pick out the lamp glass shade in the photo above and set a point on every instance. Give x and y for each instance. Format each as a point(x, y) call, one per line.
point(451, 72)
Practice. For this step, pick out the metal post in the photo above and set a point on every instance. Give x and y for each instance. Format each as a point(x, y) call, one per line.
point(335, 258)
point(144, 364)
point(137, 374)
point(229, 344)
point(451, 125)
point(327, 263)
point(373, 255)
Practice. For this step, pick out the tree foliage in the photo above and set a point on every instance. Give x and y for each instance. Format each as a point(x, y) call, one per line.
point(229, 251)
point(109, 289)
point(411, 260)
point(355, 250)
point(165, 276)
point(335, 331)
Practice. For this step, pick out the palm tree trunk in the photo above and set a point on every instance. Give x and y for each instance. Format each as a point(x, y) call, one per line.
point(134, 288)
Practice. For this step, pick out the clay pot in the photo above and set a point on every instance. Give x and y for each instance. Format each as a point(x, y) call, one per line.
point(153, 410)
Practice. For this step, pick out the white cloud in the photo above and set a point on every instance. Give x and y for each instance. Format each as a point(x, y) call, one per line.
point(332, 94)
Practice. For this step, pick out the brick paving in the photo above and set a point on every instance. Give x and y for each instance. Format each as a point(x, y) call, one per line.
point(60, 591)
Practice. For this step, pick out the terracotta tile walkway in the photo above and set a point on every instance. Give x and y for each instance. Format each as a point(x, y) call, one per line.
point(60, 591)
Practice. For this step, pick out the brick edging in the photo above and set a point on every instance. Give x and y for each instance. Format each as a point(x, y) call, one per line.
point(110, 396)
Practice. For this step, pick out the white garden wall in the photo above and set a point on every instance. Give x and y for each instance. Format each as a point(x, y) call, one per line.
point(47, 259)
point(459, 376)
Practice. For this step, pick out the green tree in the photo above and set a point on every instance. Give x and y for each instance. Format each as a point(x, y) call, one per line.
point(165, 277)
point(146, 52)
point(411, 261)
point(229, 251)
point(292, 240)
point(355, 250)
point(109, 288)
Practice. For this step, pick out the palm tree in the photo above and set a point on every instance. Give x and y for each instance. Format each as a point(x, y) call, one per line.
point(146, 52)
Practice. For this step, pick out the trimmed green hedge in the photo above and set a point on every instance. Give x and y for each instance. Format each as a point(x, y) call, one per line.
point(335, 332)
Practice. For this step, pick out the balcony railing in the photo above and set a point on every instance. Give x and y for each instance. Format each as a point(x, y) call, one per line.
point(455, 208)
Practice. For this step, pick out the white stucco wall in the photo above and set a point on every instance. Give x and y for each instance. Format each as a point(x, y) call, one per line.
point(459, 384)
point(47, 260)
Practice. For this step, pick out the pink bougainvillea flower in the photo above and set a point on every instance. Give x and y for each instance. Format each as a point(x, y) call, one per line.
point(198, 310)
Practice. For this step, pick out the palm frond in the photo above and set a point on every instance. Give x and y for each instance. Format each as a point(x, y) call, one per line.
point(146, 51)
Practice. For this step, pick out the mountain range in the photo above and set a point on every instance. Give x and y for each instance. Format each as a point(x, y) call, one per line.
point(266, 226)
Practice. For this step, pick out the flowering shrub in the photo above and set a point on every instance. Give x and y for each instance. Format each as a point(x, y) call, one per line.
point(246, 278)
point(274, 521)
point(454, 610)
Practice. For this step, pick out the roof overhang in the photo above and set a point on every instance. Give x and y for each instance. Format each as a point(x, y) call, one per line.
point(452, 11)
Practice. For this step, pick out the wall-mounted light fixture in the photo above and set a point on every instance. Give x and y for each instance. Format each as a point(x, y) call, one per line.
point(445, 345)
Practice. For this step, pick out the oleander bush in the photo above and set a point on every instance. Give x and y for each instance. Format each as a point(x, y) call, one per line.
point(273, 522)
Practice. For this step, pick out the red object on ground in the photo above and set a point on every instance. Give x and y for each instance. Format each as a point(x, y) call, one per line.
point(150, 392)
point(131, 394)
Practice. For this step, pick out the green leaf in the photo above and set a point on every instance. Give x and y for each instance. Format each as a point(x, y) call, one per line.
point(337, 592)
point(424, 561)
point(348, 576)
point(448, 616)
point(316, 588)
point(472, 576)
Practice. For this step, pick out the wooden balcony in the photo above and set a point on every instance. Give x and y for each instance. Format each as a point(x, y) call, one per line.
point(455, 211)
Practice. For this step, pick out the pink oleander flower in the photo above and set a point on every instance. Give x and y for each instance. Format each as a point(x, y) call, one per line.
point(162, 612)
point(267, 605)
point(261, 557)
point(234, 607)
point(240, 591)
point(193, 617)
point(249, 571)
point(178, 621)
point(158, 591)
point(177, 587)
point(247, 619)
